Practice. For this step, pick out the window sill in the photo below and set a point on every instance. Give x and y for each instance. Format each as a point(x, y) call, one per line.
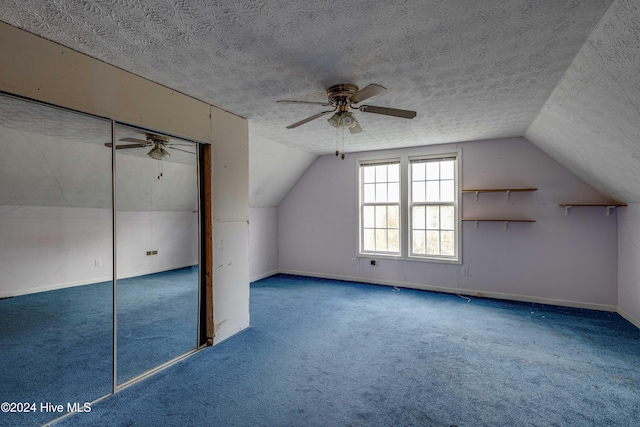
point(410, 258)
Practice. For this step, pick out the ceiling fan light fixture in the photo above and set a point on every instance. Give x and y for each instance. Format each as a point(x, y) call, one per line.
point(335, 120)
point(355, 128)
point(158, 152)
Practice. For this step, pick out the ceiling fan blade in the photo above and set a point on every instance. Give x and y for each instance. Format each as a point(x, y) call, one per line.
point(405, 114)
point(179, 149)
point(125, 146)
point(324, 104)
point(367, 93)
point(308, 119)
point(140, 141)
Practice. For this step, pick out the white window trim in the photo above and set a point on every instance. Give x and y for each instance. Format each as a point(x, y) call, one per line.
point(360, 183)
point(405, 241)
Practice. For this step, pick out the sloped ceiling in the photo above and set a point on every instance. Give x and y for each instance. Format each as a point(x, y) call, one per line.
point(591, 122)
point(472, 70)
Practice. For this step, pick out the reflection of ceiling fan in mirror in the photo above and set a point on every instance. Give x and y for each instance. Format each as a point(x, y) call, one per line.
point(344, 96)
point(158, 144)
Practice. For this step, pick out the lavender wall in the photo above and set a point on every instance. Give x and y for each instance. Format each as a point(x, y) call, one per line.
point(629, 263)
point(263, 242)
point(560, 259)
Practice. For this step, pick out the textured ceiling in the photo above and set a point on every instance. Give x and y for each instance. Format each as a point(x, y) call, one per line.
point(472, 70)
point(591, 122)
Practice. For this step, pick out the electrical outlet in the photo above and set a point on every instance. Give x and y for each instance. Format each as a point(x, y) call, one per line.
point(465, 271)
point(375, 263)
point(98, 263)
point(353, 261)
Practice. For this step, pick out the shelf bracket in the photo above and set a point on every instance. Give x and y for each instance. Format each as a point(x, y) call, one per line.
point(566, 210)
point(476, 221)
point(508, 192)
point(506, 225)
point(608, 212)
point(477, 192)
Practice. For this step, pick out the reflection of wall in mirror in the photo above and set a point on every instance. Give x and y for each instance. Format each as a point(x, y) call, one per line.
point(55, 214)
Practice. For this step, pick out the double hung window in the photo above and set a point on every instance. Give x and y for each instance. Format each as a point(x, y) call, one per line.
point(409, 207)
point(380, 208)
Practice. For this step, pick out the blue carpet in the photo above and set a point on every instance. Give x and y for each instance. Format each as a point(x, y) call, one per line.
point(328, 353)
point(56, 346)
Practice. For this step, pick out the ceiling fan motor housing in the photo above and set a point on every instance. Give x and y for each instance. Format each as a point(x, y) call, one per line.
point(339, 94)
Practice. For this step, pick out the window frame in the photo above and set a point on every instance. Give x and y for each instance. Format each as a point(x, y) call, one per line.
point(454, 204)
point(362, 204)
point(404, 157)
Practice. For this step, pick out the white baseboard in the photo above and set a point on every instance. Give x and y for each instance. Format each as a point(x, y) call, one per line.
point(83, 282)
point(468, 292)
point(629, 318)
point(264, 275)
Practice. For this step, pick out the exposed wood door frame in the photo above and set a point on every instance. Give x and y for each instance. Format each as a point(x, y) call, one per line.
point(206, 224)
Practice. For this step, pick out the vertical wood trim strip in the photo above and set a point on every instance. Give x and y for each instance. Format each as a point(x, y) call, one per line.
point(208, 244)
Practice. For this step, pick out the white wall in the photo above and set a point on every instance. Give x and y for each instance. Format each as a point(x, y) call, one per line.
point(44, 248)
point(230, 212)
point(560, 259)
point(629, 263)
point(263, 239)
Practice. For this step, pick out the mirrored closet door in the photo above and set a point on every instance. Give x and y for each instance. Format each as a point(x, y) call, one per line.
point(157, 249)
point(75, 325)
point(56, 235)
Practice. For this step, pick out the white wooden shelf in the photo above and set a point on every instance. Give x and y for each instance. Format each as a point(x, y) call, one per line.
point(607, 206)
point(505, 220)
point(507, 191)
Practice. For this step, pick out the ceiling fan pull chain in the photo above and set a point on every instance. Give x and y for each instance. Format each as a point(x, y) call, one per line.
point(337, 141)
point(343, 144)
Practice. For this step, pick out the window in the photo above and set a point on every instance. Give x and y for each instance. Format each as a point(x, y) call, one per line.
point(409, 208)
point(432, 207)
point(380, 208)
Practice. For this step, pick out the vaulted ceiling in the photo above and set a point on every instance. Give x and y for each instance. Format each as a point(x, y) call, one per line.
point(563, 73)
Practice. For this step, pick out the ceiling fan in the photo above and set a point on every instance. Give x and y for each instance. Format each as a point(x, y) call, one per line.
point(158, 144)
point(344, 96)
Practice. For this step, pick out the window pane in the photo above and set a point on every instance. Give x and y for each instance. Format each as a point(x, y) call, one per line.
point(446, 170)
point(369, 173)
point(433, 191)
point(381, 240)
point(447, 220)
point(394, 192)
point(393, 217)
point(381, 217)
point(381, 192)
point(418, 242)
point(433, 217)
point(447, 192)
point(417, 171)
point(394, 241)
point(393, 173)
point(418, 219)
point(433, 242)
point(447, 243)
point(417, 192)
point(369, 193)
point(369, 239)
point(381, 173)
point(368, 217)
point(433, 170)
